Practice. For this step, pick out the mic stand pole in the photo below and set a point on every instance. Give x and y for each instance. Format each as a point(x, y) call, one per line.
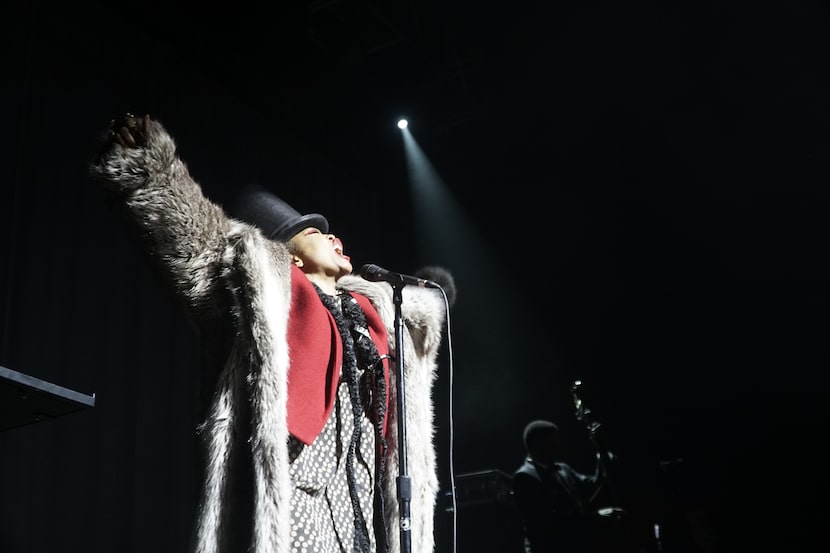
point(404, 486)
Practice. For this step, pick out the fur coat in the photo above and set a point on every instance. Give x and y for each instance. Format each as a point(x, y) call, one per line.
point(236, 285)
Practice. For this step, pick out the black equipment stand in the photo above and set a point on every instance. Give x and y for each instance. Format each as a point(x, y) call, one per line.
point(26, 400)
point(404, 487)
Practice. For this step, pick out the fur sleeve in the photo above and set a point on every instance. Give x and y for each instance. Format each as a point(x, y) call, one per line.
point(189, 236)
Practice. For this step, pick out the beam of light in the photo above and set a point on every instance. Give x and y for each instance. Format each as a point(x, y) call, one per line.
point(495, 342)
point(445, 235)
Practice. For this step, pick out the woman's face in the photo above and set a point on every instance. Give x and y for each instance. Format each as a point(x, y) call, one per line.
point(320, 254)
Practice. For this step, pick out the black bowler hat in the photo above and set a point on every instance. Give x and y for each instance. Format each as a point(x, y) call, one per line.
point(275, 218)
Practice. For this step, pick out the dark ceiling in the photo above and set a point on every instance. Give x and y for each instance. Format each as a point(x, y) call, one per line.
point(479, 82)
point(335, 69)
point(655, 107)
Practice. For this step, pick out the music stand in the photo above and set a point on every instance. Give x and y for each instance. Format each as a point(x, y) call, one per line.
point(26, 400)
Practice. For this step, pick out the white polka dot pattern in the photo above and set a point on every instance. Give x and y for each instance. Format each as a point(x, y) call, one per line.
point(322, 518)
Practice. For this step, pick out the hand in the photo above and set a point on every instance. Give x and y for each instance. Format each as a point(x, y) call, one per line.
point(130, 131)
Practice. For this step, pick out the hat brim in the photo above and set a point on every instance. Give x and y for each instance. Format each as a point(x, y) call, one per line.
point(289, 229)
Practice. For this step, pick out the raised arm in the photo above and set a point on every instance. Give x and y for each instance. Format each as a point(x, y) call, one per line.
point(189, 235)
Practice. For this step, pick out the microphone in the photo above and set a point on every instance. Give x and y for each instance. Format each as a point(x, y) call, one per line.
point(377, 274)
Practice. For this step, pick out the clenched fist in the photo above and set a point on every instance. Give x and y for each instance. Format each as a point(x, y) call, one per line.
point(129, 130)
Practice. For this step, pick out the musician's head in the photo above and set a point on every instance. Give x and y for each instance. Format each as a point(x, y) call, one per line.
point(541, 440)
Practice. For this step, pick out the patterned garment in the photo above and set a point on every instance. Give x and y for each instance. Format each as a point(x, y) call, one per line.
point(322, 517)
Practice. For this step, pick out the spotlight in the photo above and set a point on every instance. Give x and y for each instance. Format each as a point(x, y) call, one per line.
point(402, 123)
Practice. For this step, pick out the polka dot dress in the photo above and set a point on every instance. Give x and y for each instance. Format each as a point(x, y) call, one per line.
point(322, 517)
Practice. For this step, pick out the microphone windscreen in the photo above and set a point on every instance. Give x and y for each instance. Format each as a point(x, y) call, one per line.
point(442, 277)
point(370, 272)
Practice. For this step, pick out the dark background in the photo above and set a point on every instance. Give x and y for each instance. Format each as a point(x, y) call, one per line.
point(634, 196)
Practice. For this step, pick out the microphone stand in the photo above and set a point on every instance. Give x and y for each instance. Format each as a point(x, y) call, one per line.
point(404, 484)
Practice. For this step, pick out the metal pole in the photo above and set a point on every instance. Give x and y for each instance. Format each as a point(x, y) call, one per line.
point(404, 485)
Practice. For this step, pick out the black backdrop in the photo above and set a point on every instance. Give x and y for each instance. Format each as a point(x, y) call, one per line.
point(685, 279)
